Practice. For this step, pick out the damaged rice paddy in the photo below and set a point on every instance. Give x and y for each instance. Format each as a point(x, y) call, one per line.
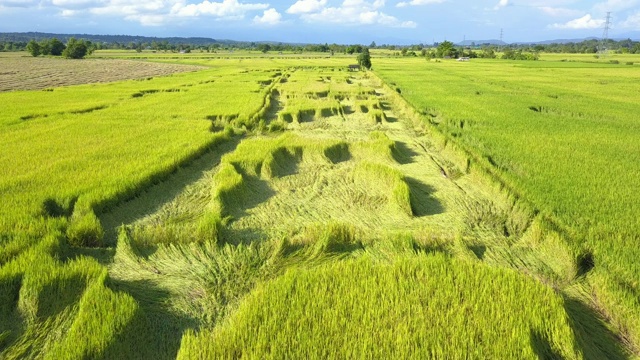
point(308, 212)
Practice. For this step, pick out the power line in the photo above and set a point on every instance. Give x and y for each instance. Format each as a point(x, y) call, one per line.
point(605, 36)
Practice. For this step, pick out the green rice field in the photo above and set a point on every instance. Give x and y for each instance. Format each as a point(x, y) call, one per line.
point(280, 206)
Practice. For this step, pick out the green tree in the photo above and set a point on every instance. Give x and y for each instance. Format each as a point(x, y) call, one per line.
point(33, 48)
point(45, 47)
point(56, 47)
point(446, 48)
point(264, 48)
point(76, 49)
point(364, 59)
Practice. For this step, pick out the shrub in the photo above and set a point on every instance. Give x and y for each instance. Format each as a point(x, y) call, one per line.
point(76, 49)
point(56, 47)
point(34, 48)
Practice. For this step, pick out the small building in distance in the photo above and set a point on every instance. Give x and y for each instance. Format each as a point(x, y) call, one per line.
point(354, 67)
point(464, 58)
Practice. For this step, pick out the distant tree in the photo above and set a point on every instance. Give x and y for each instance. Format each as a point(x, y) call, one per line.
point(264, 48)
point(364, 59)
point(56, 47)
point(76, 49)
point(511, 54)
point(488, 53)
point(446, 48)
point(354, 49)
point(33, 48)
point(91, 47)
point(404, 51)
point(373, 45)
point(45, 47)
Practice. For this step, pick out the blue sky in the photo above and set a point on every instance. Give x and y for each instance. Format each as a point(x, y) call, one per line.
point(320, 21)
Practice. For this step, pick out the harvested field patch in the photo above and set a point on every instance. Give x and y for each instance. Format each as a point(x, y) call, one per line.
point(29, 73)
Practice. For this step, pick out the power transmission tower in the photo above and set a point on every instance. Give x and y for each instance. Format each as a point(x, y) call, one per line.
point(602, 51)
point(501, 42)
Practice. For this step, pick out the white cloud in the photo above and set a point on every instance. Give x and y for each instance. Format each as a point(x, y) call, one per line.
point(18, 3)
point(419, 2)
point(585, 22)
point(632, 22)
point(148, 20)
point(224, 9)
point(69, 13)
point(358, 12)
point(306, 6)
point(148, 12)
point(559, 12)
point(501, 4)
point(130, 8)
point(615, 5)
point(73, 3)
point(269, 17)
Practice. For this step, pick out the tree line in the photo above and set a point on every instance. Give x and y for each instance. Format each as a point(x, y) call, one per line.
point(19, 42)
point(73, 49)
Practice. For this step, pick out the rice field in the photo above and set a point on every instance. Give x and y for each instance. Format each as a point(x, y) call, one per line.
point(284, 207)
point(563, 135)
point(21, 71)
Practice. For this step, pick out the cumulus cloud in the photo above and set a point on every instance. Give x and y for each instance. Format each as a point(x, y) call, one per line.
point(585, 22)
point(501, 4)
point(148, 20)
point(74, 3)
point(615, 5)
point(129, 8)
point(306, 6)
point(357, 12)
point(69, 13)
point(419, 2)
point(224, 9)
point(147, 13)
point(632, 22)
point(18, 3)
point(269, 17)
point(559, 12)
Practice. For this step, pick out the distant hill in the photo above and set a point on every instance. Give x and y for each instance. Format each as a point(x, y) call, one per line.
point(481, 42)
point(203, 41)
point(559, 41)
point(122, 39)
point(632, 35)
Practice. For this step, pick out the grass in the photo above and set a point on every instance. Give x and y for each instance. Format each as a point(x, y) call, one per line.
point(559, 134)
point(68, 173)
point(404, 309)
point(120, 156)
point(272, 206)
